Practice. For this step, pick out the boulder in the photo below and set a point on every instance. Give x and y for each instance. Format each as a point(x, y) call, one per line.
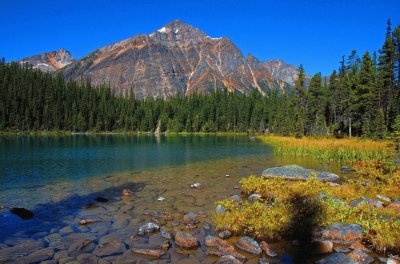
point(295, 172)
point(342, 233)
point(367, 201)
point(148, 228)
point(250, 245)
point(336, 258)
point(267, 249)
point(156, 253)
point(360, 256)
point(185, 240)
point(322, 246)
point(222, 245)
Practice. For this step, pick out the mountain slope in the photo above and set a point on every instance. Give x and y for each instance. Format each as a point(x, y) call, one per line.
point(176, 59)
point(50, 61)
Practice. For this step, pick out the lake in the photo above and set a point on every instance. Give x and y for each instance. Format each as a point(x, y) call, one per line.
point(59, 178)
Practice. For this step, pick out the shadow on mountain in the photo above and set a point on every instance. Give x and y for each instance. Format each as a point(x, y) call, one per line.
point(50, 216)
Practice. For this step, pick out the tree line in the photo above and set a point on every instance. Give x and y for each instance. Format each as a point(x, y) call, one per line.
point(361, 98)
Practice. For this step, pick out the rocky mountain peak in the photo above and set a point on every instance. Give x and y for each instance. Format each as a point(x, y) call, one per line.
point(50, 61)
point(178, 31)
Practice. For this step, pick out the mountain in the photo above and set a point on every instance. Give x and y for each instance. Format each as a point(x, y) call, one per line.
point(51, 61)
point(175, 59)
point(282, 71)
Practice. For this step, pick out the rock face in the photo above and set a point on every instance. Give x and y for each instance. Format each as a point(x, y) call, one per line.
point(51, 61)
point(295, 172)
point(176, 59)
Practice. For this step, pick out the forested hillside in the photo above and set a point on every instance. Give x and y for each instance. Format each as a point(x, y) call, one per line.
point(361, 98)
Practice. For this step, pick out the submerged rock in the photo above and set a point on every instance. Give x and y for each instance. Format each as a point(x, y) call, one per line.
point(343, 233)
point(88, 221)
point(336, 258)
point(165, 234)
point(250, 245)
point(23, 213)
point(322, 246)
point(113, 247)
point(190, 218)
point(148, 228)
point(185, 240)
point(295, 172)
point(367, 201)
point(156, 253)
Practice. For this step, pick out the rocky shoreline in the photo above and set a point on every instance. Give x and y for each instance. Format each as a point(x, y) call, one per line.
point(103, 232)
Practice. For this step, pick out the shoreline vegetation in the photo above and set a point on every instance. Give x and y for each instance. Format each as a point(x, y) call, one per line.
point(301, 210)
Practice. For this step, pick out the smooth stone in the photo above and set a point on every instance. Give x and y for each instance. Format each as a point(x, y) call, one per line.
point(235, 198)
point(228, 259)
point(220, 209)
point(360, 256)
point(196, 185)
point(23, 213)
point(190, 218)
point(342, 233)
point(161, 199)
point(37, 256)
point(295, 172)
point(27, 247)
point(110, 249)
point(87, 258)
point(148, 228)
point(254, 197)
point(78, 247)
point(250, 245)
point(185, 240)
point(336, 258)
point(367, 201)
point(225, 234)
point(267, 249)
point(156, 253)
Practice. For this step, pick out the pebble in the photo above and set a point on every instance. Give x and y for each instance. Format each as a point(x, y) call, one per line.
point(161, 199)
point(196, 185)
point(127, 192)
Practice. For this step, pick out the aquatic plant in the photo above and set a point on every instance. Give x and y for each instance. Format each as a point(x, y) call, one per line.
point(330, 149)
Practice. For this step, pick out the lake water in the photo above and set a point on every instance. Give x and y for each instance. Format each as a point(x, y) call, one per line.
point(59, 177)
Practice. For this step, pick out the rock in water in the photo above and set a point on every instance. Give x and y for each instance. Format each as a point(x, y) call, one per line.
point(161, 199)
point(185, 240)
point(336, 258)
point(127, 192)
point(268, 250)
point(360, 256)
point(225, 234)
point(228, 259)
point(250, 245)
point(148, 252)
point(295, 172)
point(148, 228)
point(190, 218)
point(22, 213)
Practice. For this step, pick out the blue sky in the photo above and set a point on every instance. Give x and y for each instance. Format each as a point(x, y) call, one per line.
point(314, 33)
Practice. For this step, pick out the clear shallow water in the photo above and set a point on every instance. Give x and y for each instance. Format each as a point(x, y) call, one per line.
point(26, 161)
point(58, 178)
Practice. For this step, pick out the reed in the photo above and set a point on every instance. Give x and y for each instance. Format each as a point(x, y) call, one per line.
point(329, 149)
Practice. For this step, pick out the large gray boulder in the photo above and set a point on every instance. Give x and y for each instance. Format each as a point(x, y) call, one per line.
point(295, 172)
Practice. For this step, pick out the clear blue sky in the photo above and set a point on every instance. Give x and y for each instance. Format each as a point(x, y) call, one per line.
point(315, 33)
